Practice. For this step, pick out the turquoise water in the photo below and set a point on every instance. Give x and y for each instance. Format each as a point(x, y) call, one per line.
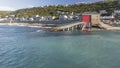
point(23, 47)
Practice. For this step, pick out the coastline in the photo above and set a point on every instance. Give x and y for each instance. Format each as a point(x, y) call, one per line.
point(38, 25)
point(21, 24)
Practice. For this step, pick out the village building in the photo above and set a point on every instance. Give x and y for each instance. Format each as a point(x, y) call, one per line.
point(63, 17)
point(91, 18)
point(117, 14)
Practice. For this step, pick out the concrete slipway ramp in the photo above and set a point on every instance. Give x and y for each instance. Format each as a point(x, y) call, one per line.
point(108, 27)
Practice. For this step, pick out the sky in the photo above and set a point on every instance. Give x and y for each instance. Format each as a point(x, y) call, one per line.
point(19, 4)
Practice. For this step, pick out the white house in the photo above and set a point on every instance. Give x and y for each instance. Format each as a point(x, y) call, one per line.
point(2, 19)
point(117, 11)
point(22, 19)
point(35, 18)
point(103, 11)
point(63, 17)
point(70, 17)
point(50, 18)
point(42, 19)
point(106, 17)
point(31, 19)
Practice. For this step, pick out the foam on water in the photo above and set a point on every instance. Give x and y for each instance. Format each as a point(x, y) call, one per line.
point(39, 30)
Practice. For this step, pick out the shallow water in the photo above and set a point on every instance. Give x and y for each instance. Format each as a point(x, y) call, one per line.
point(25, 47)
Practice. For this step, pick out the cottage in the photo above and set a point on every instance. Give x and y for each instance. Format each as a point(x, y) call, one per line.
point(117, 11)
point(63, 17)
point(70, 17)
point(2, 19)
point(78, 17)
point(107, 17)
point(42, 19)
point(103, 12)
point(36, 18)
point(31, 19)
point(117, 14)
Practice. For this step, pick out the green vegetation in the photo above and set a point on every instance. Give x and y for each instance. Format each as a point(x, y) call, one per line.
point(4, 13)
point(76, 8)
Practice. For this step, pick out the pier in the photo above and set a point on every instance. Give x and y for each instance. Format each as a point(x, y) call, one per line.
point(70, 27)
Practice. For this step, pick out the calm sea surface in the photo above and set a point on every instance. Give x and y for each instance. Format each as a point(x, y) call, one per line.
point(26, 47)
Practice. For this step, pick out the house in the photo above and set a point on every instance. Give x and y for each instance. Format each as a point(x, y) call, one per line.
point(117, 11)
point(31, 19)
point(70, 17)
point(117, 14)
point(63, 17)
point(107, 17)
point(50, 18)
point(103, 12)
point(2, 19)
point(77, 17)
point(42, 19)
point(22, 19)
point(35, 18)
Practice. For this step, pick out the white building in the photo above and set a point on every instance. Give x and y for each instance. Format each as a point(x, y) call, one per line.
point(2, 19)
point(103, 11)
point(42, 19)
point(117, 11)
point(70, 17)
point(63, 17)
point(22, 19)
point(35, 18)
point(51, 18)
point(117, 14)
point(31, 19)
point(107, 17)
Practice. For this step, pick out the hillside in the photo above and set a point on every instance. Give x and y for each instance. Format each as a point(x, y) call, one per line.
point(3, 13)
point(76, 8)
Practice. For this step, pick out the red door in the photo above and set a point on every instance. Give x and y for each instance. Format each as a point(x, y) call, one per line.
point(86, 18)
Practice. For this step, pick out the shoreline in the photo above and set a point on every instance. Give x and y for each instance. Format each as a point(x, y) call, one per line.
point(21, 24)
point(38, 25)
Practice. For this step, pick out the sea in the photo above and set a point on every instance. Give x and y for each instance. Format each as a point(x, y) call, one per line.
point(32, 47)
